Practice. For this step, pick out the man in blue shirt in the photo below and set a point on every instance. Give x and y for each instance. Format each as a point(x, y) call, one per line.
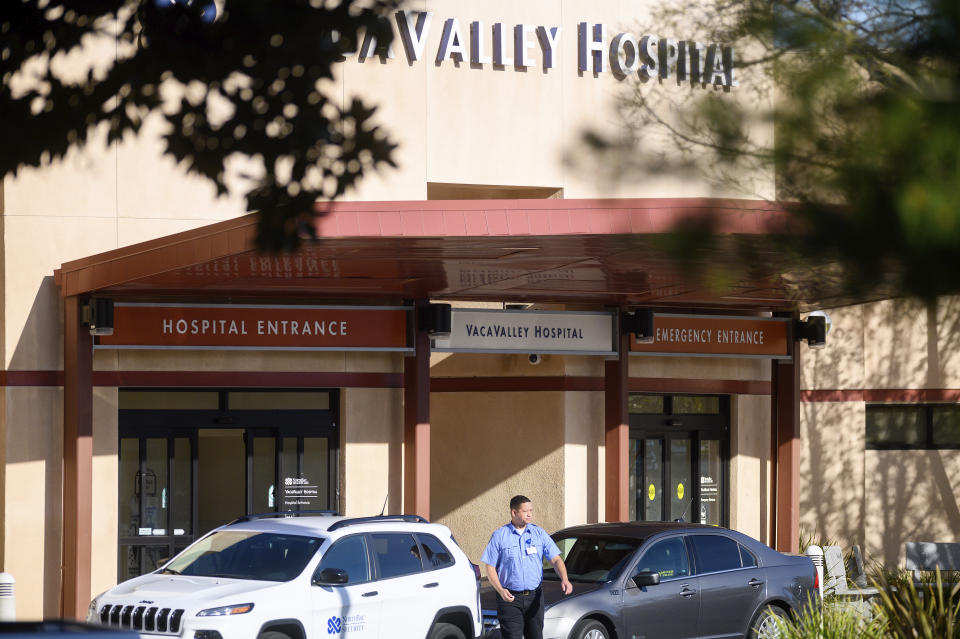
point(514, 558)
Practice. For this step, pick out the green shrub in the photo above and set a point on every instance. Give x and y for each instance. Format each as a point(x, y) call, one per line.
point(836, 620)
point(928, 611)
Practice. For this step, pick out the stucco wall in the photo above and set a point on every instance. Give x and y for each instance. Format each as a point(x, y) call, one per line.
point(488, 447)
point(372, 451)
point(832, 470)
point(33, 498)
point(750, 465)
point(879, 498)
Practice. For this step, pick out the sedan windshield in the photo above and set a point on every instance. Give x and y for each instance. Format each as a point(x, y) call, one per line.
point(239, 554)
point(592, 559)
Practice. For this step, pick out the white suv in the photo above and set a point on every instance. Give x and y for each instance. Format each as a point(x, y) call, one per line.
point(327, 576)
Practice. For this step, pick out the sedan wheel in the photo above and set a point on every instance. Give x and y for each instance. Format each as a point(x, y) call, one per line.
point(767, 625)
point(590, 629)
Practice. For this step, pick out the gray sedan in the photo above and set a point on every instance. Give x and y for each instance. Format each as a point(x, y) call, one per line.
point(660, 580)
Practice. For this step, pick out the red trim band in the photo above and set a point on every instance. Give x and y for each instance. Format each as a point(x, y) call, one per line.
point(285, 379)
point(891, 395)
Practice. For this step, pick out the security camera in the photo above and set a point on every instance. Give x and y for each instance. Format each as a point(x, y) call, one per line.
point(534, 358)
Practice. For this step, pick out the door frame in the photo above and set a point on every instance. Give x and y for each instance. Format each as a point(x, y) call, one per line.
point(142, 424)
point(668, 425)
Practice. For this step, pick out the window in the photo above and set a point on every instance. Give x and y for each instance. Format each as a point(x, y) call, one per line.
point(645, 404)
point(897, 427)
point(247, 555)
point(641, 404)
point(667, 557)
point(435, 554)
point(715, 553)
point(747, 558)
point(350, 555)
point(695, 405)
point(592, 559)
point(397, 554)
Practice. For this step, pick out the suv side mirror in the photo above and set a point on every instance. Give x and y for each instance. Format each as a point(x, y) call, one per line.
point(331, 577)
point(646, 579)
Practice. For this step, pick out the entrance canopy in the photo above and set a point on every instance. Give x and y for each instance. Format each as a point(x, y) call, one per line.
point(548, 251)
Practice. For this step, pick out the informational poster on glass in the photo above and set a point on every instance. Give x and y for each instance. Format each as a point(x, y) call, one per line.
point(710, 470)
point(299, 493)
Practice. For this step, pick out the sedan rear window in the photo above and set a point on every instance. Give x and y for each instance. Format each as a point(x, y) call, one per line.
point(591, 559)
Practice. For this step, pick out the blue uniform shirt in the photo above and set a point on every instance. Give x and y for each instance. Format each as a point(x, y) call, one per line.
point(518, 557)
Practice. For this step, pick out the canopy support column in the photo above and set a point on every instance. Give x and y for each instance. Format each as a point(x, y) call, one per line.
point(416, 424)
point(77, 460)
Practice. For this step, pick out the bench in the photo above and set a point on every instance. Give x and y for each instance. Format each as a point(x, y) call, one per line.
point(835, 575)
point(927, 556)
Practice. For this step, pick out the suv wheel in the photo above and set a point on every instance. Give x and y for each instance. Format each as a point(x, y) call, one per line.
point(273, 634)
point(445, 631)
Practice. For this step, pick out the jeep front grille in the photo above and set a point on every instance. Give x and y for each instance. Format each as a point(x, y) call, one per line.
point(151, 619)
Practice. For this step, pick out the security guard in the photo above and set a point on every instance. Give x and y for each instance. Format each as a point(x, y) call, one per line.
point(514, 558)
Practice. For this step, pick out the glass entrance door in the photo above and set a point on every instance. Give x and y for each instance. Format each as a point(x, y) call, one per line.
point(192, 461)
point(678, 455)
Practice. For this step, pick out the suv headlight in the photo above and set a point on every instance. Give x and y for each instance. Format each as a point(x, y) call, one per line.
point(92, 611)
point(223, 611)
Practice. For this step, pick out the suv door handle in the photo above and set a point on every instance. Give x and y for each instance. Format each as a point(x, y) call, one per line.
point(755, 582)
point(372, 593)
point(687, 592)
point(432, 584)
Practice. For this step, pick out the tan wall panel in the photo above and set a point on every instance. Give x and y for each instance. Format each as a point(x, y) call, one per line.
point(372, 454)
point(584, 462)
point(592, 102)
point(83, 185)
point(493, 365)
point(319, 361)
point(145, 176)
point(404, 120)
point(103, 572)
point(700, 368)
point(495, 125)
point(900, 346)
point(750, 465)
point(946, 368)
point(36, 245)
point(832, 473)
point(488, 447)
point(910, 496)
point(33, 498)
point(840, 364)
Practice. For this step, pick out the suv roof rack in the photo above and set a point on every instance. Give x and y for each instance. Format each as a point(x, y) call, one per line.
point(343, 523)
point(284, 513)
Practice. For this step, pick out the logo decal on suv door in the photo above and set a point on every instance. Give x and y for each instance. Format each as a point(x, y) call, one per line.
point(333, 625)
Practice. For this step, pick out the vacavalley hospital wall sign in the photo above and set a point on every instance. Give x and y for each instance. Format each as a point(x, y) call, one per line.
point(599, 49)
point(253, 327)
point(551, 332)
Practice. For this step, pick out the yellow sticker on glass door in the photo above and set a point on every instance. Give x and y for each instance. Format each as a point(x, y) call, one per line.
point(652, 492)
point(680, 491)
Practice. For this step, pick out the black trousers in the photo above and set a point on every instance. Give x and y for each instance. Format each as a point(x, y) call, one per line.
point(522, 617)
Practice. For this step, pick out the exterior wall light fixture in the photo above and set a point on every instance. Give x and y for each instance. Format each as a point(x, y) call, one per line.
point(98, 315)
point(640, 323)
point(813, 330)
point(435, 319)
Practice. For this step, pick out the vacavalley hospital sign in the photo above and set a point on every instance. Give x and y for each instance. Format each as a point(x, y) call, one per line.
point(599, 49)
point(560, 332)
point(252, 327)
